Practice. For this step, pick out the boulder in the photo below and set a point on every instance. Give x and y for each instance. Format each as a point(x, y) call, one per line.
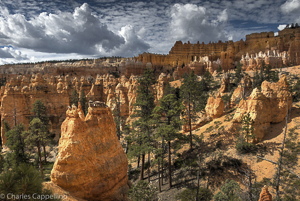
point(91, 163)
point(214, 107)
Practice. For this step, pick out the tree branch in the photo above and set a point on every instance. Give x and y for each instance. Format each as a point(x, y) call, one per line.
point(281, 165)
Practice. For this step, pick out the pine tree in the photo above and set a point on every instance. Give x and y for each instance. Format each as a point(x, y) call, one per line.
point(74, 98)
point(15, 142)
point(230, 191)
point(243, 145)
point(194, 98)
point(238, 73)
point(143, 125)
point(23, 180)
point(168, 119)
point(35, 137)
point(83, 102)
point(119, 120)
point(39, 111)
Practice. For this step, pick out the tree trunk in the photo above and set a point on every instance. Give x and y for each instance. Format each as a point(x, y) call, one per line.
point(281, 153)
point(40, 157)
point(250, 186)
point(190, 125)
point(126, 152)
point(158, 168)
point(162, 162)
point(142, 167)
point(170, 171)
point(197, 197)
point(148, 167)
point(45, 154)
point(138, 162)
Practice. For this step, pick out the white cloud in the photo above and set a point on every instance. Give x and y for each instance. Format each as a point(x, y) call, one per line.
point(9, 52)
point(133, 43)
point(64, 32)
point(281, 27)
point(223, 17)
point(11, 55)
point(290, 6)
point(192, 23)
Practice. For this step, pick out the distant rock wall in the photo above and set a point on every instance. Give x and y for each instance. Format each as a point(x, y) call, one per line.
point(229, 53)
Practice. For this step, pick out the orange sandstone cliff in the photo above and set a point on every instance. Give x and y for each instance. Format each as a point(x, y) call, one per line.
point(91, 163)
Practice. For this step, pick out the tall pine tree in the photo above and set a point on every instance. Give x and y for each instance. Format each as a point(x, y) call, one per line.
point(194, 98)
point(143, 125)
point(74, 98)
point(83, 102)
point(167, 115)
point(39, 111)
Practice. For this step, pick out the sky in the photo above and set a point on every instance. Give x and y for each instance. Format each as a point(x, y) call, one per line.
point(34, 30)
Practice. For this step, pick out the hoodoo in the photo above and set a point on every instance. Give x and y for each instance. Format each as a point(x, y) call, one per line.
point(91, 163)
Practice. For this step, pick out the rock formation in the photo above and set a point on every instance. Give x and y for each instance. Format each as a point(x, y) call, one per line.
point(275, 50)
point(214, 107)
point(224, 84)
point(91, 164)
point(19, 94)
point(17, 101)
point(265, 195)
point(242, 91)
point(265, 107)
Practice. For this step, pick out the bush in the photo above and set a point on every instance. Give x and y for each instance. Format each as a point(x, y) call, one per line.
point(23, 179)
point(178, 163)
point(191, 194)
point(244, 147)
point(230, 191)
point(142, 191)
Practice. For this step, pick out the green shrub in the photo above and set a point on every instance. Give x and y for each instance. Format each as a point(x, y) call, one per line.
point(191, 194)
point(142, 191)
point(230, 191)
point(23, 179)
point(244, 147)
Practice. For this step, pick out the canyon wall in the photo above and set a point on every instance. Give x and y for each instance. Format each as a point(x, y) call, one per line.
point(278, 51)
point(19, 94)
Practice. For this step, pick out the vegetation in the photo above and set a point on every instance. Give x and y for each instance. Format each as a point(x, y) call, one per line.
point(23, 180)
point(143, 129)
point(194, 98)
point(289, 182)
point(230, 191)
point(143, 191)
point(74, 98)
point(119, 119)
point(204, 194)
point(18, 176)
point(167, 115)
point(83, 102)
point(15, 141)
point(243, 145)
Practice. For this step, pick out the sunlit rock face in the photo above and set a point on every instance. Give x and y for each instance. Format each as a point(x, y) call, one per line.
point(91, 163)
point(265, 195)
point(18, 96)
point(214, 107)
point(270, 105)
